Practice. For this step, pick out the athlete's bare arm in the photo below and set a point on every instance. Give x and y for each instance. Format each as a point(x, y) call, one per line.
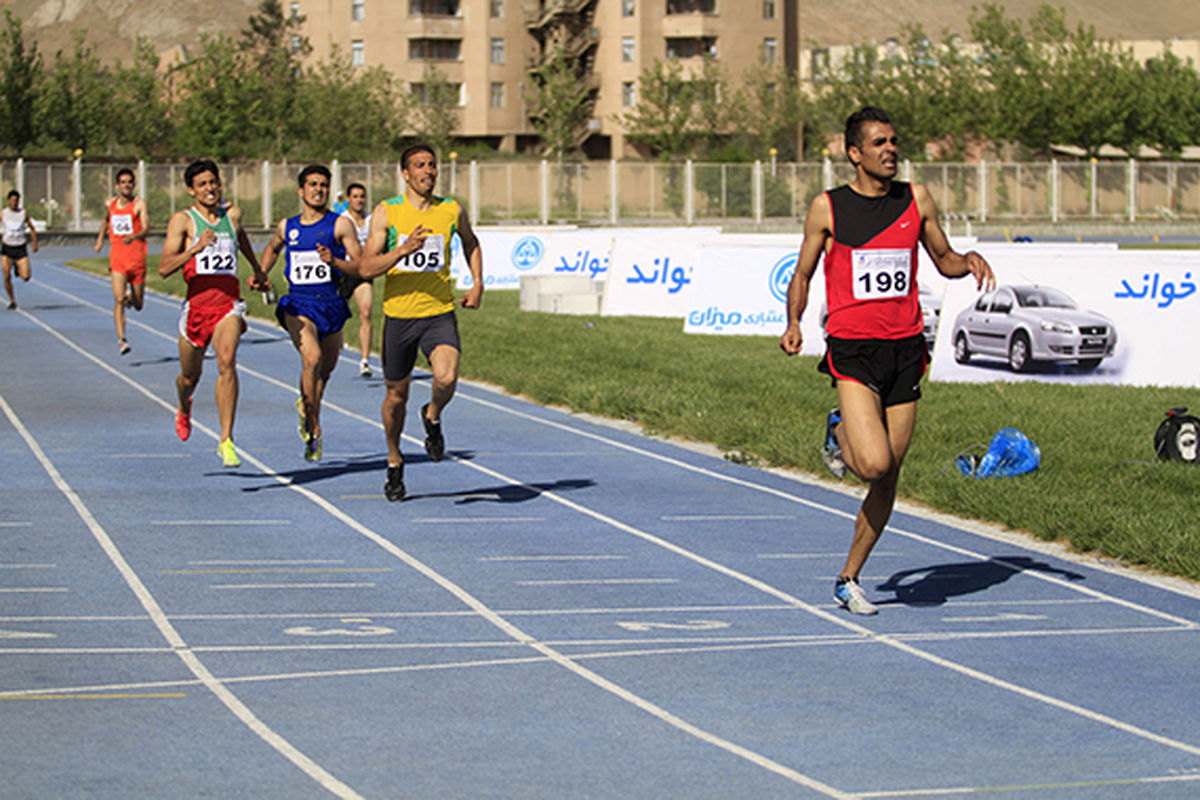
point(176, 250)
point(258, 281)
point(375, 261)
point(274, 247)
point(142, 212)
point(818, 227)
point(347, 236)
point(950, 263)
point(474, 255)
point(32, 232)
point(103, 229)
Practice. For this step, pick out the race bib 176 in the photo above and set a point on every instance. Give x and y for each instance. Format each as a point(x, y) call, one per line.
point(305, 267)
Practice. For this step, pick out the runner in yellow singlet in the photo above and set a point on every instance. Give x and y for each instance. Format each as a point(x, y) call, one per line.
point(410, 244)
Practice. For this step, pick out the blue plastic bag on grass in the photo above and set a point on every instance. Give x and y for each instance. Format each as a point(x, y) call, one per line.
point(1009, 453)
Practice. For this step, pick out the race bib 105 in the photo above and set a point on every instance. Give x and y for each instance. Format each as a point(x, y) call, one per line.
point(430, 258)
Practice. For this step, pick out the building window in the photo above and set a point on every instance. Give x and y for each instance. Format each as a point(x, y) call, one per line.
point(626, 8)
point(356, 10)
point(424, 94)
point(434, 49)
point(293, 10)
point(627, 94)
point(691, 6)
point(768, 53)
point(497, 95)
point(433, 8)
point(627, 48)
point(497, 7)
point(497, 51)
point(692, 47)
point(768, 9)
point(358, 53)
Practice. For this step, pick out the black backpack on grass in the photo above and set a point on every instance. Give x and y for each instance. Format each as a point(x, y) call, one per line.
point(1178, 437)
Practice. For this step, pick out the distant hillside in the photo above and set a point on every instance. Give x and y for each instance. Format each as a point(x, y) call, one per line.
point(113, 25)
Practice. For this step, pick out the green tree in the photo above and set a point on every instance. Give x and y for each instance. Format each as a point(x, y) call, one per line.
point(434, 104)
point(560, 102)
point(20, 84)
point(220, 102)
point(76, 108)
point(770, 105)
point(276, 48)
point(1167, 107)
point(348, 113)
point(145, 124)
point(664, 114)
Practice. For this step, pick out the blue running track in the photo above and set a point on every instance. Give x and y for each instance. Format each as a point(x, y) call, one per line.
point(561, 609)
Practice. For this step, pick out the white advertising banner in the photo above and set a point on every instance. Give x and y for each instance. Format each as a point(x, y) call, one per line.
point(1074, 315)
point(508, 253)
point(650, 271)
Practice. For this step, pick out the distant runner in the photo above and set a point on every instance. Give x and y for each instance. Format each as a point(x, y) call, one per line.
point(13, 250)
point(361, 290)
point(127, 222)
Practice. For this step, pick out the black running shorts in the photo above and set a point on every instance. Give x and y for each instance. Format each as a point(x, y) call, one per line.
point(891, 368)
point(15, 252)
point(402, 337)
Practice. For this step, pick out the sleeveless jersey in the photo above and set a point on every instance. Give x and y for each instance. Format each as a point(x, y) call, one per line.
point(363, 232)
point(871, 267)
point(123, 222)
point(418, 285)
point(212, 274)
point(306, 273)
point(14, 227)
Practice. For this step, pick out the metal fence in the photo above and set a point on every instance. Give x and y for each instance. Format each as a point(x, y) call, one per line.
point(70, 196)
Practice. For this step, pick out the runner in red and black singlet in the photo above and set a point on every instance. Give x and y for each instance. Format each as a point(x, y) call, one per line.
point(868, 232)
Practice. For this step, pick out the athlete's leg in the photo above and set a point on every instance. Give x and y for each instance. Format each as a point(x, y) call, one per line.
point(331, 349)
point(23, 271)
point(898, 422)
point(137, 294)
point(8, 287)
point(443, 362)
point(395, 401)
point(191, 363)
point(226, 337)
point(119, 289)
point(304, 336)
point(364, 299)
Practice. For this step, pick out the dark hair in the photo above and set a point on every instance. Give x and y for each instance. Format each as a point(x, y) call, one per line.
point(125, 171)
point(14, 193)
point(356, 185)
point(314, 169)
point(855, 122)
point(412, 150)
point(197, 167)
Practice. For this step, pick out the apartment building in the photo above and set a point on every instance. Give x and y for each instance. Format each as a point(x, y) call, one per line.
point(486, 47)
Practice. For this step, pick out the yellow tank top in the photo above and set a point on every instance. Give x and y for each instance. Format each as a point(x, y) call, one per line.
point(418, 285)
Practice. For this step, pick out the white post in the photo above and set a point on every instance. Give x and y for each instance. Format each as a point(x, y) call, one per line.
point(335, 169)
point(265, 180)
point(614, 186)
point(757, 193)
point(545, 192)
point(689, 203)
point(1133, 178)
point(983, 190)
point(19, 178)
point(141, 175)
point(473, 199)
point(77, 194)
point(827, 173)
point(1093, 192)
point(1054, 190)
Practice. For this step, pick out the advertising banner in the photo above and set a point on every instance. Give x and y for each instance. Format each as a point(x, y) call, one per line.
point(1074, 315)
point(508, 253)
point(650, 271)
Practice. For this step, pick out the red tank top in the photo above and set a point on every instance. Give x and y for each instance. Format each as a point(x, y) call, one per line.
point(871, 267)
point(123, 222)
point(212, 274)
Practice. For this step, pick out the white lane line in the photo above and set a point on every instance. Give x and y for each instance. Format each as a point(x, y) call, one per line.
point(148, 455)
point(553, 558)
point(598, 582)
point(28, 566)
point(292, 586)
point(155, 612)
point(819, 555)
point(16, 524)
point(263, 562)
point(219, 522)
point(1031, 787)
point(33, 589)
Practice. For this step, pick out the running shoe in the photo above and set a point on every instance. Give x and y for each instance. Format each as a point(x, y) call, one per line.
point(183, 423)
point(393, 489)
point(435, 443)
point(12, 306)
point(123, 347)
point(852, 597)
point(303, 429)
point(228, 454)
point(831, 452)
point(312, 449)
point(364, 369)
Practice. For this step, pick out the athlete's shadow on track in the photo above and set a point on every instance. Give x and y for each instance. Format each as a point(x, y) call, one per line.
point(507, 493)
point(325, 470)
point(933, 586)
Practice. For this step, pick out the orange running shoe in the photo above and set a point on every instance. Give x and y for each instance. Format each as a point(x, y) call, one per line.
point(183, 423)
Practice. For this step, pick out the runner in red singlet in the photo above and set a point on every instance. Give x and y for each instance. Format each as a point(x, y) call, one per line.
point(868, 232)
point(127, 222)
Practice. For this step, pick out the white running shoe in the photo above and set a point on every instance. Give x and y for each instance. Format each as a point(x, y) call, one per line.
point(852, 597)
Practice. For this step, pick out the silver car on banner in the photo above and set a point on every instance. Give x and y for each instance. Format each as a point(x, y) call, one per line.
point(1025, 325)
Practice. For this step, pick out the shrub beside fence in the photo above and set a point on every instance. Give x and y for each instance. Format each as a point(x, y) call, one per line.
point(70, 196)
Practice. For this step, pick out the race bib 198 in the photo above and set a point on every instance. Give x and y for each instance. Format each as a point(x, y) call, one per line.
point(881, 274)
point(122, 224)
point(430, 258)
point(219, 258)
point(306, 268)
